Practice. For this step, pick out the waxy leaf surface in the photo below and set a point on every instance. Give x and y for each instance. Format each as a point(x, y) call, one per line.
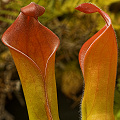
point(33, 48)
point(98, 61)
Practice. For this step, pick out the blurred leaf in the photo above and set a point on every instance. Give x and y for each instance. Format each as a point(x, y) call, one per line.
point(72, 82)
point(7, 20)
point(117, 105)
point(118, 84)
point(7, 12)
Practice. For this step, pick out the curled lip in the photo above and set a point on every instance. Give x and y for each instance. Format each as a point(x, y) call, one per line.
point(90, 8)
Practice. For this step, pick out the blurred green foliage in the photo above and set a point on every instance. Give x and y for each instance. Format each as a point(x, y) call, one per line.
point(54, 8)
point(117, 104)
point(73, 29)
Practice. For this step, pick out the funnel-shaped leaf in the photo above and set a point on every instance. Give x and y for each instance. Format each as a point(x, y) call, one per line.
point(33, 48)
point(98, 61)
